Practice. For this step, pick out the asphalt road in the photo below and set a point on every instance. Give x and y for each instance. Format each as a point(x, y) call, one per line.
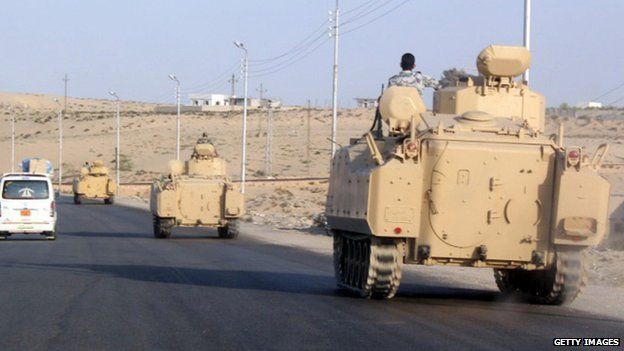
point(107, 284)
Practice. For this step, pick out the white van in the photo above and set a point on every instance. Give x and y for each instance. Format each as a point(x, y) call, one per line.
point(27, 205)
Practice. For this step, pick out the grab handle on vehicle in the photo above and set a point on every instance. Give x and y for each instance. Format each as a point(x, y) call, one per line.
point(599, 155)
point(374, 150)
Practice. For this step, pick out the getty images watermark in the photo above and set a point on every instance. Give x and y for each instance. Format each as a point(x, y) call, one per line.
point(586, 341)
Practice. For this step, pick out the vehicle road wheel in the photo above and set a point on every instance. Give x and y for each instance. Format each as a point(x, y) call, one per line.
point(162, 227)
point(50, 235)
point(508, 280)
point(369, 267)
point(77, 199)
point(230, 230)
point(561, 283)
point(110, 200)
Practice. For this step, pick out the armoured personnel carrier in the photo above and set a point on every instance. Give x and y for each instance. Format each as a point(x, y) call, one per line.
point(197, 193)
point(94, 183)
point(475, 183)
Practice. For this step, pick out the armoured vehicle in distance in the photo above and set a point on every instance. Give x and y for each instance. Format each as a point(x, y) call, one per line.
point(197, 193)
point(94, 183)
point(475, 183)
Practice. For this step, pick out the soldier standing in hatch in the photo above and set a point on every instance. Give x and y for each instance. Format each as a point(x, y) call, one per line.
point(204, 139)
point(410, 78)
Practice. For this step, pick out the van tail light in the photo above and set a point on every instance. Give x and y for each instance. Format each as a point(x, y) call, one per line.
point(52, 208)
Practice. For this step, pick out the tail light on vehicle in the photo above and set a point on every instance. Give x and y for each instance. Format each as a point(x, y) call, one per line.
point(52, 208)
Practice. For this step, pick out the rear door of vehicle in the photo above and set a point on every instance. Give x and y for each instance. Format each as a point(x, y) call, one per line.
point(26, 200)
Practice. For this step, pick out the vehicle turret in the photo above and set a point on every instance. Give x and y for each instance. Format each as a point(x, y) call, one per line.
point(496, 91)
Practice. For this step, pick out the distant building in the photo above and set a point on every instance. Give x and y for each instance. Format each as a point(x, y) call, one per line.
point(209, 99)
point(218, 102)
point(366, 102)
point(257, 103)
point(589, 104)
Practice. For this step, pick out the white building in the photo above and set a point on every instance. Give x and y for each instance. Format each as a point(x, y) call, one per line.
point(216, 102)
point(366, 102)
point(589, 104)
point(257, 103)
point(209, 99)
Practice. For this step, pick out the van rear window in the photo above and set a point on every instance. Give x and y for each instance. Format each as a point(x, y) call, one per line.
point(25, 189)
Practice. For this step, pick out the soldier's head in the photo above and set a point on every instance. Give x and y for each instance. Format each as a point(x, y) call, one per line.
point(408, 62)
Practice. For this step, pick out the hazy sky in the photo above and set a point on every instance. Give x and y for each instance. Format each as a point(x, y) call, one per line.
point(131, 46)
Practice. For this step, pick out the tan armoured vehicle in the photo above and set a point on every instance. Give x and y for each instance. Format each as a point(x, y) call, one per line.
point(197, 193)
point(476, 183)
point(94, 183)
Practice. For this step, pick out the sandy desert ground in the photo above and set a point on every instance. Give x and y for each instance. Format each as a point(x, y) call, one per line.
point(148, 142)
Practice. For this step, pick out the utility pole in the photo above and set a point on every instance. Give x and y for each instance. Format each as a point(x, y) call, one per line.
point(268, 152)
point(65, 80)
point(60, 150)
point(335, 28)
point(244, 137)
point(233, 82)
point(527, 34)
point(261, 90)
point(308, 139)
point(117, 147)
point(177, 94)
point(12, 112)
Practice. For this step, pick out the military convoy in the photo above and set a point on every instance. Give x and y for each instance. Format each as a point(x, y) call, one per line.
point(476, 183)
point(197, 193)
point(94, 183)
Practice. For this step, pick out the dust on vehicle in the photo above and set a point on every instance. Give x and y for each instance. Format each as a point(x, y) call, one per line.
point(197, 193)
point(475, 183)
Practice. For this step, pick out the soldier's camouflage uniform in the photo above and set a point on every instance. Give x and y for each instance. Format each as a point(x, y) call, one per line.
point(413, 79)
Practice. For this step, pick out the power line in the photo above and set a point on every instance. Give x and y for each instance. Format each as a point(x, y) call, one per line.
point(369, 11)
point(359, 7)
point(291, 54)
point(303, 51)
point(378, 17)
point(216, 78)
point(214, 85)
point(292, 62)
point(608, 92)
point(297, 47)
point(615, 101)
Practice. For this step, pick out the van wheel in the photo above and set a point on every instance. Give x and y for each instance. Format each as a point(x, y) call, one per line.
point(162, 227)
point(230, 230)
point(50, 235)
point(110, 200)
point(77, 199)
